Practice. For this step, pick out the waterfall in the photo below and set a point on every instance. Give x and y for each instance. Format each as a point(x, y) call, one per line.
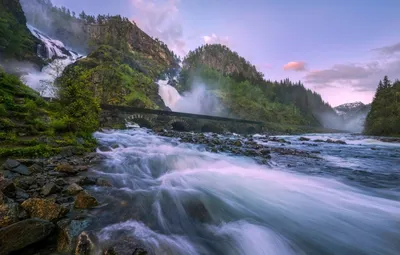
point(49, 49)
point(199, 100)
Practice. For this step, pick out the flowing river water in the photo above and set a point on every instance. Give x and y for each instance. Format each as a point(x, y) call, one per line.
point(178, 198)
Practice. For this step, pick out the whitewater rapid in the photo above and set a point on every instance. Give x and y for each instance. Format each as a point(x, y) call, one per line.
point(177, 198)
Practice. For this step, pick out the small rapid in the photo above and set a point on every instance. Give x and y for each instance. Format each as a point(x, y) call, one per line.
point(179, 198)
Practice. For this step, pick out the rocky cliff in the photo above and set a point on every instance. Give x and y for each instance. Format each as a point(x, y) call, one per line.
point(16, 42)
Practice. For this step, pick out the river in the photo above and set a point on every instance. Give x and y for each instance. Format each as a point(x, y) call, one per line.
point(179, 198)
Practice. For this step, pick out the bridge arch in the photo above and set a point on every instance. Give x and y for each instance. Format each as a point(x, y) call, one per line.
point(179, 125)
point(251, 130)
point(141, 120)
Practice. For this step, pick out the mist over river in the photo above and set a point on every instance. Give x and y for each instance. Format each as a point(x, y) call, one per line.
point(179, 198)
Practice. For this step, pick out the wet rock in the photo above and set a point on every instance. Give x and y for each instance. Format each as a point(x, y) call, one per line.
point(197, 210)
point(319, 141)
point(24, 182)
point(21, 195)
point(237, 143)
point(85, 244)
point(265, 152)
point(21, 169)
point(10, 164)
point(66, 168)
point(45, 209)
point(103, 182)
point(61, 182)
point(73, 189)
point(85, 201)
point(125, 246)
point(304, 139)
point(7, 187)
point(49, 189)
point(21, 234)
point(69, 231)
point(3, 198)
point(9, 214)
point(104, 148)
point(36, 168)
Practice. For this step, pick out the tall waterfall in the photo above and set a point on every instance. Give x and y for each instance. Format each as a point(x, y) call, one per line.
point(43, 80)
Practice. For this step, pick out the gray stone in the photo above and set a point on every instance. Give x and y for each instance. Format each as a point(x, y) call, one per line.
point(23, 233)
point(73, 189)
point(35, 168)
point(69, 231)
point(7, 187)
point(49, 188)
point(20, 194)
point(10, 164)
point(9, 214)
point(103, 182)
point(21, 169)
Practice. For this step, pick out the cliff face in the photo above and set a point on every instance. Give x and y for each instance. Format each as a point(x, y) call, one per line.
point(16, 42)
point(123, 34)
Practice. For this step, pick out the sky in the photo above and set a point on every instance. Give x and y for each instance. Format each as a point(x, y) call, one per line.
point(338, 48)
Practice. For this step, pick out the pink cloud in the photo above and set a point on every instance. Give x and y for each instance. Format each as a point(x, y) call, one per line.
point(161, 20)
point(214, 39)
point(297, 66)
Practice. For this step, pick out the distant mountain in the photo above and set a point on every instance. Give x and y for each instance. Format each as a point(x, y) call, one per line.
point(353, 115)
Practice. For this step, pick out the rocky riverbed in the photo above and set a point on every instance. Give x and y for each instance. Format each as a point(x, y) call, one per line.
point(44, 204)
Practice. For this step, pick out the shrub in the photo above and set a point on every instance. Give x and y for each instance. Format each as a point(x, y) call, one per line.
point(3, 110)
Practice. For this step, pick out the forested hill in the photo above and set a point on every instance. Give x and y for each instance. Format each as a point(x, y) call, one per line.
point(247, 94)
point(85, 33)
point(384, 117)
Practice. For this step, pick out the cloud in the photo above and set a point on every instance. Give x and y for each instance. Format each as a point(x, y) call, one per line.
point(161, 20)
point(357, 76)
point(388, 50)
point(214, 39)
point(297, 66)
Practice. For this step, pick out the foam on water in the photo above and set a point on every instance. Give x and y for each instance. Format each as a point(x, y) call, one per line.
point(196, 202)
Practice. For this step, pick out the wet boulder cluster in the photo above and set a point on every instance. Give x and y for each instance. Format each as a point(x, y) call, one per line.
point(260, 148)
point(44, 205)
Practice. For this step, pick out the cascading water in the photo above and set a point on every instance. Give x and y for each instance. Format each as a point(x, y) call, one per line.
point(198, 101)
point(178, 198)
point(61, 57)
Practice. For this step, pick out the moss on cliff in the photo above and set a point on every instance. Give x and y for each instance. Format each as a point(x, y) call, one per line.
point(16, 41)
point(31, 127)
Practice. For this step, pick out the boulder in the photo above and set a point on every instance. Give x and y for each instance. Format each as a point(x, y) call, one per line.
point(73, 189)
point(3, 198)
point(9, 214)
point(21, 169)
point(85, 244)
point(103, 182)
point(125, 245)
point(66, 168)
point(24, 182)
point(49, 188)
point(36, 168)
point(69, 231)
point(7, 187)
point(304, 139)
point(10, 164)
point(44, 209)
point(23, 233)
point(85, 201)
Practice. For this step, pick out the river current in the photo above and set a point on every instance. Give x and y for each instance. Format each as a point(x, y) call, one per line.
point(179, 198)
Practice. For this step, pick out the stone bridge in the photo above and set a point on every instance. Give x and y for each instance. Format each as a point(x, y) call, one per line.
point(119, 116)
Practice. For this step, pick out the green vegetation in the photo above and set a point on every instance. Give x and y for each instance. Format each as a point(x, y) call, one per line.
point(244, 91)
point(106, 76)
point(31, 127)
point(16, 41)
point(384, 117)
